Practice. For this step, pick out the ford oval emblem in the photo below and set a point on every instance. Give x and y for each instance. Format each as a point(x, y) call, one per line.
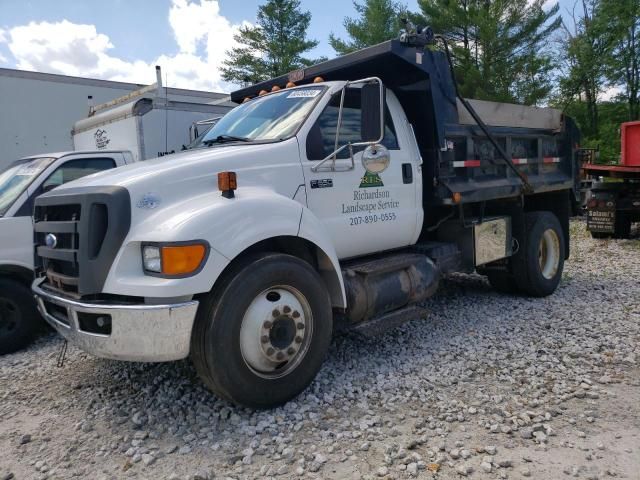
point(51, 240)
point(149, 201)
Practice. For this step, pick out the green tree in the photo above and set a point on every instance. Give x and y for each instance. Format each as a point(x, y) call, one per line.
point(500, 47)
point(584, 51)
point(620, 25)
point(378, 21)
point(273, 47)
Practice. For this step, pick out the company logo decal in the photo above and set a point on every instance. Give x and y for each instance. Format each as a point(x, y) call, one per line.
point(101, 139)
point(371, 180)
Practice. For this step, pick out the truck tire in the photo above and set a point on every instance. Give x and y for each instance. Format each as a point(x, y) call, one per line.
point(622, 228)
point(19, 318)
point(538, 266)
point(261, 336)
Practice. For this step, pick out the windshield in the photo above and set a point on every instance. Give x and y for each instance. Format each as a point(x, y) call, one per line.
point(15, 179)
point(276, 116)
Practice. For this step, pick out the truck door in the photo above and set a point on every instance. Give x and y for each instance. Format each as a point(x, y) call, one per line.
point(363, 212)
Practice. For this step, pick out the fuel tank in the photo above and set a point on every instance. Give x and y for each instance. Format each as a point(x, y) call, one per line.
point(380, 285)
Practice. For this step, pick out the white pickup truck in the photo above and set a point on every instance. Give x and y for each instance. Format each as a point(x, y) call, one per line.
point(336, 203)
point(20, 183)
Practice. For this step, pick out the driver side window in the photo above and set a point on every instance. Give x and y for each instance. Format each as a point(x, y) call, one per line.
point(322, 136)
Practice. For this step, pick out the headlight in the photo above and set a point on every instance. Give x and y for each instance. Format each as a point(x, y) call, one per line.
point(151, 259)
point(174, 260)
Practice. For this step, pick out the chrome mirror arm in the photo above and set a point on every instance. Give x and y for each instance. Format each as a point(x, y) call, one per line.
point(334, 155)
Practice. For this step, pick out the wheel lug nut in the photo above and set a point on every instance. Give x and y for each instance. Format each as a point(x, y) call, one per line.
point(267, 324)
point(296, 314)
point(286, 309)
point(298, 340)
point(291, 351)
point(280, 356)
point(264, 339)
point(270, 351)
point(275, 313)
point(300, 326)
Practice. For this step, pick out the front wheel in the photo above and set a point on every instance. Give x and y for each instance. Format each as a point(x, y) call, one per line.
point(19, 319)
point(538, 268)
point(260, 337)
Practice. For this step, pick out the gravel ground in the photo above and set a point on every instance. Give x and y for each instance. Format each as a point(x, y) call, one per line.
point(488, 386)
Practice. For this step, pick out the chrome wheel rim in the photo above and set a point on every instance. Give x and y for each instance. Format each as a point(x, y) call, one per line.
point(549, 254)
point(276, 331)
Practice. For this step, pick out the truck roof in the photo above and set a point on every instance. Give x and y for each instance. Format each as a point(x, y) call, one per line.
point(422, 81)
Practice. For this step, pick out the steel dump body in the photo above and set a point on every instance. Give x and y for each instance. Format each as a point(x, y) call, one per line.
point(458, 157)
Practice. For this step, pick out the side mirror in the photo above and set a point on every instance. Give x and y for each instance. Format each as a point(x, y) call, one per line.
point(375, 158)
point(372, 113)
point(48, 188)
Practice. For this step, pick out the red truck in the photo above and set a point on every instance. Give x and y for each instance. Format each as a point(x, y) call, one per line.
point(614, 204)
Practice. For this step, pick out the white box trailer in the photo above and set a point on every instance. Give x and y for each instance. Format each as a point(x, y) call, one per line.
point(148, 127)
point(145, 122)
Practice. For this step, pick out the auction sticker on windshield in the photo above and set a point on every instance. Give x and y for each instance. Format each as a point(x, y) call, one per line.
point(305, 93)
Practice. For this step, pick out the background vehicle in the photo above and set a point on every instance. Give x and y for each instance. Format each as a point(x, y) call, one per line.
point(20, 183)
point(198, 131)
point(614, 201)
point(144, 122)
point(337, 203)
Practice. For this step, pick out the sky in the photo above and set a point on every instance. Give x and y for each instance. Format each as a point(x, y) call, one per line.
point(124, 39)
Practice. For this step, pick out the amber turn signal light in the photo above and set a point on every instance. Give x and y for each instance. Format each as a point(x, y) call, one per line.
point(227, 183)
point(182, 259)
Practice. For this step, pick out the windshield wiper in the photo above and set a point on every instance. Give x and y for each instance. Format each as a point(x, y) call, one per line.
point(225, 139)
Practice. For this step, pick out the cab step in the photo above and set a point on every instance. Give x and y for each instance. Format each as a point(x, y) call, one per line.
point(445, 255)
point(388, 321)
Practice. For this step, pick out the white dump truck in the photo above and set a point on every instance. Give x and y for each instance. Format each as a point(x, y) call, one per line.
point(20, 183)
point(332, 198)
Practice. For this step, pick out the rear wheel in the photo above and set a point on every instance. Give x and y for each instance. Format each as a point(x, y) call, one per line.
point(538, 267)
point(261, 338)
point(622, 226)
point(19, 319)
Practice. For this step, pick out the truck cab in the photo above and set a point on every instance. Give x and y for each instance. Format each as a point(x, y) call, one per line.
point(331, 198)
point(20, 183)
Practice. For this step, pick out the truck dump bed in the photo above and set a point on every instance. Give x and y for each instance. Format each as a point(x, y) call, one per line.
point(458, 156)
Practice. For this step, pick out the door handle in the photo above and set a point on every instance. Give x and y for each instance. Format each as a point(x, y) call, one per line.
point(407, 173)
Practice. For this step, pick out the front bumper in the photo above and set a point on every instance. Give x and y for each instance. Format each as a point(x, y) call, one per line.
point(139, 332)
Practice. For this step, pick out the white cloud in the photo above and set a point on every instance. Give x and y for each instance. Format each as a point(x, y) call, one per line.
point(610, 93)
point(3, 37)
point(203, 36)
